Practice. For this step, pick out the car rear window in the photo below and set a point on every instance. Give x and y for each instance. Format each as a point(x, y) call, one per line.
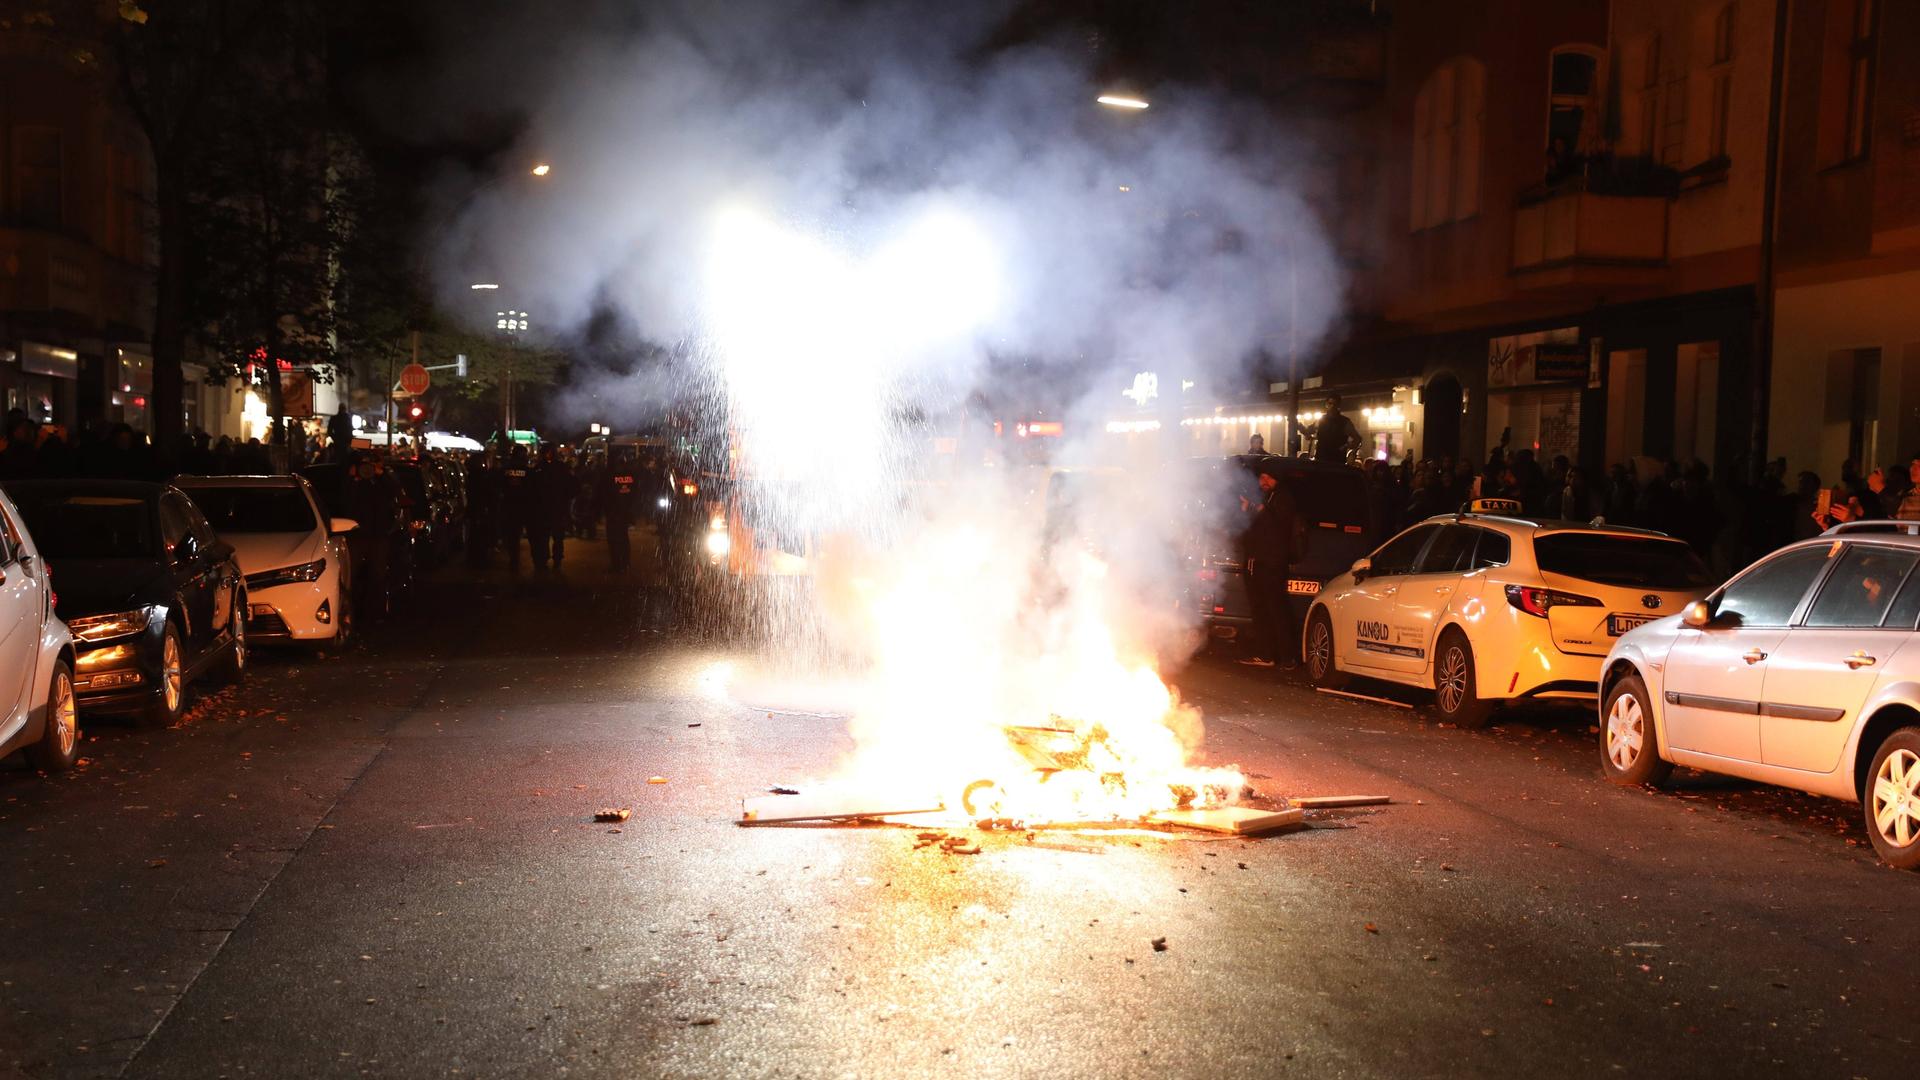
point(1643, 562)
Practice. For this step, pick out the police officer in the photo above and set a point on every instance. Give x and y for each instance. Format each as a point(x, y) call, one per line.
point(483, 510)
point(517, 504)
point(553, 512)
point(619, 481)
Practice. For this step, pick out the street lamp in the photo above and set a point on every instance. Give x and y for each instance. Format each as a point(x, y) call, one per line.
point(483, 285)
point(1121, 101)
point(542, 169)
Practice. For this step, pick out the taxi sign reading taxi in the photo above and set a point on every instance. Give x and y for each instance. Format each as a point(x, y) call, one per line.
point(1494, 506)
point(415, 379)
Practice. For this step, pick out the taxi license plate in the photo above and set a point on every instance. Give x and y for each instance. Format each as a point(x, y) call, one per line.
point(1302, 587)
point(1620, 624)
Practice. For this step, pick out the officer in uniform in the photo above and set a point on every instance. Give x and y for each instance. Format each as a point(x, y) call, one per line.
point(518, 505)
point(619, 481)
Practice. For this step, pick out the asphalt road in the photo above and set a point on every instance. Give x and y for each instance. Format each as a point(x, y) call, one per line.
point(383, 864)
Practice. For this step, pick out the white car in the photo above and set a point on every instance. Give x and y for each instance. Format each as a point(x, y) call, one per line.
point(1794, 673)
point(1485, 605)
point(37, 710)
point(295, 558)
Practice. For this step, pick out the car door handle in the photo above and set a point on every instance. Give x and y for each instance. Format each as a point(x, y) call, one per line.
point(1443, 589)
point(1753, 656)
point(1859, 660)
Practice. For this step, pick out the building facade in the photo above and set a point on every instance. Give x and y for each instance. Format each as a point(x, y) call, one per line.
point(1846, 361)
point(75, 249)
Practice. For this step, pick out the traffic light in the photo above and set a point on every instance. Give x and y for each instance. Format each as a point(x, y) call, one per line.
point(415, 411)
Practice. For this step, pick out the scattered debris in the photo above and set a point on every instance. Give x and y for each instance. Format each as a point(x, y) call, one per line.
point(155, 864)
point(613, 813)
point(1372, 929)
point(1332, 802)
point(693, 725)
point(656, 779)
point(781, 789)
point(1159, 944)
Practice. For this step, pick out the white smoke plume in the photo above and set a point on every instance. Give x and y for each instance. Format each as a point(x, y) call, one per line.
point(849, 220)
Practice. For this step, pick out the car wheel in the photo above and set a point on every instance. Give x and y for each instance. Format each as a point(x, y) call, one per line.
point(1892, 799)
point(1629, 746)
point(1456, 694)
point(59, 745)
point(1318, 649)
point(234, 667)
point(170, 698)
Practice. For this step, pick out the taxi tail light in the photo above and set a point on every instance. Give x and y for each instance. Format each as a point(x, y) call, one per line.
point(1537, 602)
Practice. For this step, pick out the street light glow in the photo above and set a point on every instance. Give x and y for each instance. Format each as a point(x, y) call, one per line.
point(543, 169)
point(1121, 101)
point(485, 285)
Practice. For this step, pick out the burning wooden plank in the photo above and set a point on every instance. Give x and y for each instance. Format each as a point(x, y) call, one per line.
point(1232, 820)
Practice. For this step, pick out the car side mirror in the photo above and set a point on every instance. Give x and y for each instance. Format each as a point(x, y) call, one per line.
point(339, 525)
point(1697, 615)
point(221, 551)
point(1360, 568)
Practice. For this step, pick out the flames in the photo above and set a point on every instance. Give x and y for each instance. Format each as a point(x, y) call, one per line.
point(1005, 685)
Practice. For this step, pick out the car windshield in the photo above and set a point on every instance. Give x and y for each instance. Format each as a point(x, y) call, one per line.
point(1640, 561)
point(255, 509)
point(67, 526)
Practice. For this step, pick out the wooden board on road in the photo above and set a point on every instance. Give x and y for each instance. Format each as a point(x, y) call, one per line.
point(1233, 820)
point(831, 806)
point(1334, 802)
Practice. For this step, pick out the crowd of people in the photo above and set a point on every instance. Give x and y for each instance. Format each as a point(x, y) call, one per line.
point(544, 497)
point(1729, 519)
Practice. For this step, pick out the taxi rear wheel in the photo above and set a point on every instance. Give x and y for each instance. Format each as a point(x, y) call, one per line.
point(1629, 746)
point(1892, 800)
point(1456, 694)
point(1319, 653)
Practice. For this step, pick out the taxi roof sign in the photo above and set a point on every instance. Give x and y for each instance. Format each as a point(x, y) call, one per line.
point(1495, 506)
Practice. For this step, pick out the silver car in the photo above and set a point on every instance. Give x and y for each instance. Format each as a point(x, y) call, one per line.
point(1801, 671)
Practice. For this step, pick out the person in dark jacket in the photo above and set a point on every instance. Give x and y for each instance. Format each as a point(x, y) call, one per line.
point(619, 486)
point(17, 461)
point(1270, 546)
point(517, 506)
point(553, 514)
point(373, 501)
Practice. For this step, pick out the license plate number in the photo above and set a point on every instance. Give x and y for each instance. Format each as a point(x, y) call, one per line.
point(1302, 587)
point(1620, 624)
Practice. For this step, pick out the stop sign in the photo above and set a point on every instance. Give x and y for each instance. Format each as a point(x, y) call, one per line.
point(415, 379)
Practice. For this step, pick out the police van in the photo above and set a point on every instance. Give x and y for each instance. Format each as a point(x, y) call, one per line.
point(1489, 605)
point(1330, 503)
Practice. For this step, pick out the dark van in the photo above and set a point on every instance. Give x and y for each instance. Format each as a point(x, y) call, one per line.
point(1335, 530)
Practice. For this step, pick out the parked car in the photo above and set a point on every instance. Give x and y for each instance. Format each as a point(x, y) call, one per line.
point(1486, 605)
point(37, 708)
point(427, 510)
point(1331, 502)
point(153, 597)
point(298, 569)
point(1801, 671)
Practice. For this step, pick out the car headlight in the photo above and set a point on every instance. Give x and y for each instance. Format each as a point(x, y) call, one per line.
point(718, 544)
point(95, 628)
point(287, 575)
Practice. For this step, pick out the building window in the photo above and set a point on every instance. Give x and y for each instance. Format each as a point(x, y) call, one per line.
point(1572, 79)
point(1640, 125)
point(1720, 84)
point(1860, 56)
point(1448, 116)
point(37, 177)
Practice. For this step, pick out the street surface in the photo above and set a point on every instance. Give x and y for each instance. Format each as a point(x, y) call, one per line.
point(384, 864)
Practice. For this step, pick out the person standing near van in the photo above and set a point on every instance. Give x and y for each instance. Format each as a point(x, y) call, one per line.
point(1270, 543)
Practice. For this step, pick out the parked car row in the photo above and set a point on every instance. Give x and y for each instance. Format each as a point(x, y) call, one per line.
point(1800, 671)
point(159, 586)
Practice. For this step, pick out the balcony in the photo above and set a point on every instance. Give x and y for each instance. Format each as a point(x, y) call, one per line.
point(57, 275)
point(1592, 229)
